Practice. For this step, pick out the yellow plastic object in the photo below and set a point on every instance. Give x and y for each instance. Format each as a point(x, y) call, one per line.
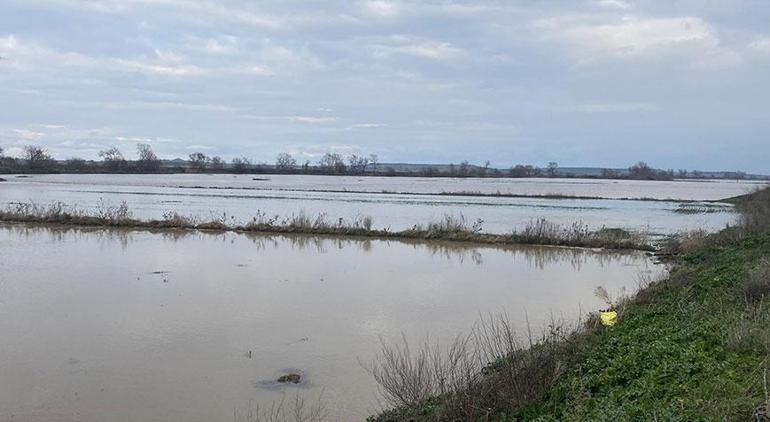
point(608, 318)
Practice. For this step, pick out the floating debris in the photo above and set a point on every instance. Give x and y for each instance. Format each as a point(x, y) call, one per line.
point(293, 378)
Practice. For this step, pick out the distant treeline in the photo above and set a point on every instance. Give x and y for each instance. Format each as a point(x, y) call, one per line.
point(37, 160)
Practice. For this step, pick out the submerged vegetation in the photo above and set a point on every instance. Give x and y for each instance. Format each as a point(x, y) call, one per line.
point(694, 345)
point(450, 228)
point(702, 208)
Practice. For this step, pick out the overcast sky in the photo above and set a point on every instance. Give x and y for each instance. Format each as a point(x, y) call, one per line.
point(680, 84)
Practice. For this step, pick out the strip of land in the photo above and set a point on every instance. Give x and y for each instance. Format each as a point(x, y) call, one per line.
point(450, 228)
point(462, 193)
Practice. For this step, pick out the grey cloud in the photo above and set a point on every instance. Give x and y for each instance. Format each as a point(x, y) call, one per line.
point(591, 82)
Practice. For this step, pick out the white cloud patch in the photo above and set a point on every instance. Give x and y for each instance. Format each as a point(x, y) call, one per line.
point(612, 107)
point(618, 4)
point(761, 45)
point(314, 120)
point(30, 56)
point(201, 147)
point(28, 135)
point(381, 8)
point(418, 47)
point(365, 126)
point(630, 35)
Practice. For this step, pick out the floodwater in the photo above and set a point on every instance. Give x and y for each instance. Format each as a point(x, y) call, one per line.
point(395, 203)
point(137, 326)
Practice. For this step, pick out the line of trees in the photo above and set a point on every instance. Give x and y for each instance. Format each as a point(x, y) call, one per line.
point(35, 159)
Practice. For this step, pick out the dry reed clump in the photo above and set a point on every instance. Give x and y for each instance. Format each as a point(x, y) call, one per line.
point(303, 223)
point(491, 368)
point(542, 231)
point(448, 225)
point(755, 212)
point(686, 242)
point(174, 219)
point(298, 410)
point(112, 213)
point(61, 213)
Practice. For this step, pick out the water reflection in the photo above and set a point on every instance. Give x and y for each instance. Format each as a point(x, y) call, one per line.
point(538, 257)
point(125, 317)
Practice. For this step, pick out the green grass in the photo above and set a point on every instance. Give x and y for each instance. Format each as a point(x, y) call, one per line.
point(674, 354)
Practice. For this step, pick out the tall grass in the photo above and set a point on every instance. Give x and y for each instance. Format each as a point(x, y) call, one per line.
point(476, 377)
point(542, 231)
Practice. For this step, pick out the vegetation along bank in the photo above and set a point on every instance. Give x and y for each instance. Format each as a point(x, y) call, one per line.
point(692, 346)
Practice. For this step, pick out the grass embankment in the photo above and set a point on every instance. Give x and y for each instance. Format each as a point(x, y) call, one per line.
point(694, 346)
point(449, 228)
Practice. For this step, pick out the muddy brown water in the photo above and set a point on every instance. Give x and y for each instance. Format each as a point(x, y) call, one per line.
point(185, 326)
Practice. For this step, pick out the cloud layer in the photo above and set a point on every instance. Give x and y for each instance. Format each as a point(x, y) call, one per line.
point(592, 82)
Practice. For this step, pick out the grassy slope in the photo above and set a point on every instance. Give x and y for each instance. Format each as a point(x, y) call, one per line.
point(687, 348)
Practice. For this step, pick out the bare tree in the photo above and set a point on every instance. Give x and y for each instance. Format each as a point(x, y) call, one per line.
point(241, 164)
point(333, 163)
point(463, 168)
point(374, 160)
point(357, 164)
point(113, 158)
point(521, 170)
point(198, 161)
point(641, 170)
point(552, 169)
point(147, 160)
point(285, 161)
point(1, 152)
point(36, 157)
point(217, 163)
point(483, 171)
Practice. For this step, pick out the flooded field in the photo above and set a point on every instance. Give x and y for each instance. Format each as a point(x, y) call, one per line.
point(138, 326)
point(395, 203)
